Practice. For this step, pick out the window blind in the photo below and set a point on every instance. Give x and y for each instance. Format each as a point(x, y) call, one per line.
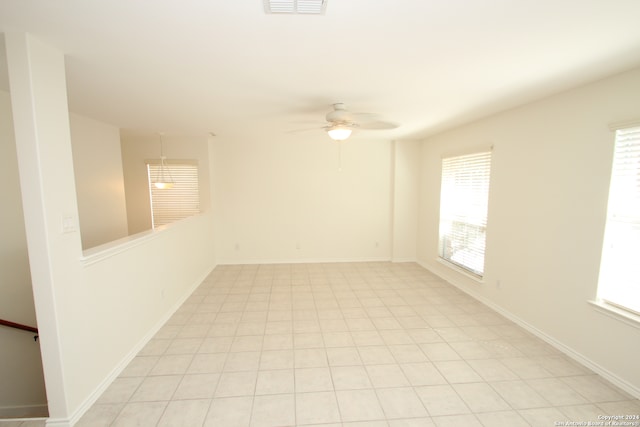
point(181, 201)
point(464, 197)
point(619, 281)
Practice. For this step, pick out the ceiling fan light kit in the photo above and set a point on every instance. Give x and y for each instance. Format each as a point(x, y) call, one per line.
point(339, 132)
point(341, 122)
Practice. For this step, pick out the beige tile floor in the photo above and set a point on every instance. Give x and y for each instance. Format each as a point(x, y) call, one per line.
point(349, 344)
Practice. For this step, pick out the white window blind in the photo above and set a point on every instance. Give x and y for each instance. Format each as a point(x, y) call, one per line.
point(619, 282)
point(181, 201)
point(464, 197)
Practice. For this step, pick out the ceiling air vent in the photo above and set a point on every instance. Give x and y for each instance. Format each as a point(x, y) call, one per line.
point(302, 7)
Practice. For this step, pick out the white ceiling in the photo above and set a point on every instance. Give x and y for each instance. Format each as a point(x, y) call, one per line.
point(196, 66)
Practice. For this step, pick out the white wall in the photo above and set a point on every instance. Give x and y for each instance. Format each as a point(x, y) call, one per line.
point(21, 381)
point(137, 148)
point(95, 308)
point(550, 174)
point(121, 300)
point(97, 162)
point(286, 199)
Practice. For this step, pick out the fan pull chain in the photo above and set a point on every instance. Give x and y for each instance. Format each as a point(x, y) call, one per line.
point(339, 156)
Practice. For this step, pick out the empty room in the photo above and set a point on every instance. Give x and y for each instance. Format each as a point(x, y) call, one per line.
point(337, 213)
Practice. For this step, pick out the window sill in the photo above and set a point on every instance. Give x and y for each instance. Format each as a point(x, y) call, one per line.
point(99, 253)
point(110, 249)
point(460, 270)
point(616, 313)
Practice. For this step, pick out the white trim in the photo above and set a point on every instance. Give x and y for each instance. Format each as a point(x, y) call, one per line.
point(578, 357)
point(616, 313)
point(118, 368)
point(59, 422)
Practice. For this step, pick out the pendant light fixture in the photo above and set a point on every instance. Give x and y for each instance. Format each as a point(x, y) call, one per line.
point(163, 180)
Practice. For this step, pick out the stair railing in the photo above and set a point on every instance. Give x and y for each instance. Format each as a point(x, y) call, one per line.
point(21, 327)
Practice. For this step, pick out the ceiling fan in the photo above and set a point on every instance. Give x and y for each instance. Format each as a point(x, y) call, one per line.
point(341, 122)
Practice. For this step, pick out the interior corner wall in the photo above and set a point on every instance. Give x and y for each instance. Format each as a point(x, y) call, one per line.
point(97, 164)
point(21, 378)
point(136, 149)
point(213, 208)
point(550, 175)
point(303, 198)
point(43, 146)
point(406, 175)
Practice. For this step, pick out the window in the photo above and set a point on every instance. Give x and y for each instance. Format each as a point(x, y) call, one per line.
point(619, 282)
point(464, 198)
point(182, 200)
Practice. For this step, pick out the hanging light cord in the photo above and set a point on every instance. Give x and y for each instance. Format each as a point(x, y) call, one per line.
point(164, 169)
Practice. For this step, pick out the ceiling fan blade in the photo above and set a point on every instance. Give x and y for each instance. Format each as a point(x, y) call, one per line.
point(378, 125)
point(341, 117)
point(372, 121)
point(304, 130)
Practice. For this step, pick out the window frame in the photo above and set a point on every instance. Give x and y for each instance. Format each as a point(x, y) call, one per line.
point(606, 297)
point(450, 178)
point(191, 195)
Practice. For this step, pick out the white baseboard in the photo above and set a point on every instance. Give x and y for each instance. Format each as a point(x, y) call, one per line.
point(303, 261)
point(573, 354)
point(117, 370)
point(401, 260)
point(59, 422)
